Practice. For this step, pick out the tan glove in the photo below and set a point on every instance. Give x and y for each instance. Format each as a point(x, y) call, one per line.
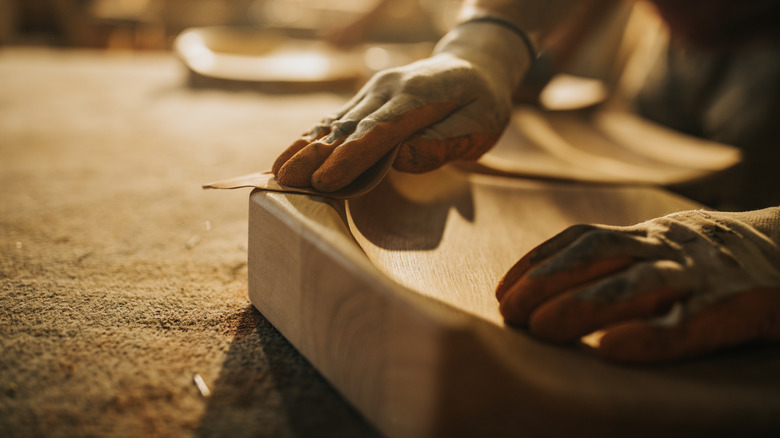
point(453, 105)
point(672, 287)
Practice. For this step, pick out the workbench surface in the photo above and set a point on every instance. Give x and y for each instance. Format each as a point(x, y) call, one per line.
point(119, 277)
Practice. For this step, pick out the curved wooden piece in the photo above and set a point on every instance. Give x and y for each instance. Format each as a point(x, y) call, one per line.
point(390, 296)
point(602, 146)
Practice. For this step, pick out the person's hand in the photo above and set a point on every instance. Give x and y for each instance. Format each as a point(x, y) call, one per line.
point(672, 287)
point(453, 105)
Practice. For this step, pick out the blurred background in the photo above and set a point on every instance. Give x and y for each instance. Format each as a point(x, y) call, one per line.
point(154, 24)
point(267, 45)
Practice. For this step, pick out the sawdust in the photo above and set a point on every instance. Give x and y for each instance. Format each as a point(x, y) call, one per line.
point(107, 309)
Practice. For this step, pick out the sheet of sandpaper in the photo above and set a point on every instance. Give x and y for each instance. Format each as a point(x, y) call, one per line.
point(267, 181)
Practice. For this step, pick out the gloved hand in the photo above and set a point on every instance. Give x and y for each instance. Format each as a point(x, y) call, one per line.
point(453, 105)
point(672, 287)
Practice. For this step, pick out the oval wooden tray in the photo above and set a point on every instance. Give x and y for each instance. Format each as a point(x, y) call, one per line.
point(222, 55)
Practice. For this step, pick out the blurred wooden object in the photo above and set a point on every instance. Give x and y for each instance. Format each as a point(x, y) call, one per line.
point(390, 296)
point(604, 146)
point(269, 60)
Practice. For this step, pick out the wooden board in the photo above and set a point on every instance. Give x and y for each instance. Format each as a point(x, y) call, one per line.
point(390, 296)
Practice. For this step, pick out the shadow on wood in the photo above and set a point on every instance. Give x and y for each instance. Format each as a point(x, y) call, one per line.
point(411, 335)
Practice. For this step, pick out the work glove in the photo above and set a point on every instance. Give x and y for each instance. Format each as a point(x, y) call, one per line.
point(453, 105)
point(669, 288)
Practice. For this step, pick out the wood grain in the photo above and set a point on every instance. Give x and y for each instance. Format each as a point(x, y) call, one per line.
point(452, 236)
point(390, 296)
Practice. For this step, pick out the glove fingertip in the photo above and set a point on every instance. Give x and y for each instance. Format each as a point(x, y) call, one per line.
point(327, 180)
point(513, 275)
point(518, 302)
point(299, 170)
point(747, 316)
point(557, 321)
point(294, 174)
point(288, 153)
point(635, 342)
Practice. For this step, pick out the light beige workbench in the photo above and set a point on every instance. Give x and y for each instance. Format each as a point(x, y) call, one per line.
point(120, 277)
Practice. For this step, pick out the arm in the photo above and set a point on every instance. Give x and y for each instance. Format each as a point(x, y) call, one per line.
point(669, 288)
point(453, 105)
point(539, 19)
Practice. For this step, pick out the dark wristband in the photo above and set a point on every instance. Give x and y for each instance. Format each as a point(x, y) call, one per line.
point(508, 25)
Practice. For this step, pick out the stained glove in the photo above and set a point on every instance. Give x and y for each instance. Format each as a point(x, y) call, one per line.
point(672, 287)
point(453, 105)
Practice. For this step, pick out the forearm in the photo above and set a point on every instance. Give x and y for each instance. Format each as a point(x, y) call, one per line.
point(497, 50)
point(504, 36)
point(765, 221)
point(557, 27)
point(539, 19)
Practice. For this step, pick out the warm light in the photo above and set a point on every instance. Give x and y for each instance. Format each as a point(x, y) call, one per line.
point(224, 53)
point(565, 92)
point(593, 340)
point(376, 58)
point(296, 66)
point(193, 47)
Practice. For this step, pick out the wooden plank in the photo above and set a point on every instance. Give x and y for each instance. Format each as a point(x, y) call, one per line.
point(390, 296)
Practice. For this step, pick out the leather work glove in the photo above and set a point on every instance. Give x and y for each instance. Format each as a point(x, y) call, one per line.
point(672, 287)
point(452, 105)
